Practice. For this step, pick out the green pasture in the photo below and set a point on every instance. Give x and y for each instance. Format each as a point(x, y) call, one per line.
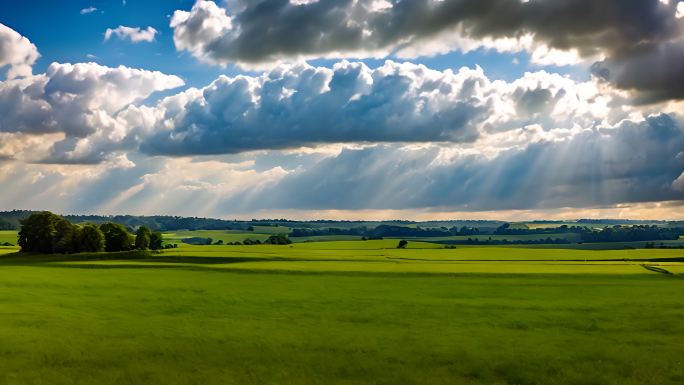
point(9, 236)
point(216, 235)
point(572, 237)
point(122, 325)
point(345, 312)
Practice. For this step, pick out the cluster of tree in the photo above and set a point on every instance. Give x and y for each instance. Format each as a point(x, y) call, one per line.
point(476, 241)
point(652, 245)
point(634, 233)
point(197, 241)
point(280, 239)
point(8, 224)
point(48, 233)
point(619, 222)
point(506, 229)
point(309, 232)
point(6, 244)
point(386, 231)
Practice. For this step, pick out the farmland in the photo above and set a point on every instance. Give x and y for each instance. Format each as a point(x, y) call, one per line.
point(342, 312)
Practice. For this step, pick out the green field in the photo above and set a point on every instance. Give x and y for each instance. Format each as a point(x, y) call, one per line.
point(342, 313)
point(9, 236)
point(572, 237)
point(215, 235)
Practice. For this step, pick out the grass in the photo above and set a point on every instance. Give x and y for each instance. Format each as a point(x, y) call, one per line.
point(9, 236)
point(572, 237)
point(216, 235)
point(342, 313)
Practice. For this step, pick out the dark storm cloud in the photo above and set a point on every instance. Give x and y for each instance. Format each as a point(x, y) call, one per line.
point(632, 34)
point(635, 162)
point(657, 74)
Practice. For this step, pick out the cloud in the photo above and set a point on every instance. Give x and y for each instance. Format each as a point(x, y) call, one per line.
point(88, 10)
point(135, 34)
point(622, 166)
point(655, 74)
point(627, 34)
point(300, 105)
point(630, 162)
point(273, 30)
point(17, 52)
point(80, 101)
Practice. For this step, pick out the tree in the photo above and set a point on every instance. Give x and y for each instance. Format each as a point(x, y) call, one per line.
point(38, 232)
point(142, 238)
point(280, 239)
point(402, 244)
point(91, 239)
point(117, 237)
point(6, 224)
point(156, 241)
point(64, 241)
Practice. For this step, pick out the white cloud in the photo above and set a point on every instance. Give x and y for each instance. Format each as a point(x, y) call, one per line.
point(399, 102)
point(135, 34)
point(348, 137)
point(16, 51)
point(79, 100)
point(88, 10)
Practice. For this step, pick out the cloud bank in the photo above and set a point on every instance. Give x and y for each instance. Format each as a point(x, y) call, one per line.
point(297, 137)
point(623, 36)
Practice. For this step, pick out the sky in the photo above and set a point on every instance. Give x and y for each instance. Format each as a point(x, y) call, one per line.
point(344, 109)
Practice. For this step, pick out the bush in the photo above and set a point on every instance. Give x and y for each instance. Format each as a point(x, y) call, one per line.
point(402, 244)
point(280, 239)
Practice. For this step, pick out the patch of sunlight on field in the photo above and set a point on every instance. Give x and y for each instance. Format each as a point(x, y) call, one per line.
point(389, 266)
point(572, 237)
point(216, 235)
point(552, 225)
point(326, 238)
point(439, 268)
point(674, 268)
point(8, 249)
point(376, 251)
point(366, 245)
point(9, 236)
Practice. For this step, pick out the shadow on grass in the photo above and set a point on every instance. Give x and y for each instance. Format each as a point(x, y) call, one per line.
point(20, 258)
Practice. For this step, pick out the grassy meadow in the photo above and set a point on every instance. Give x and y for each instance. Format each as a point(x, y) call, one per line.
point(344, 312)
point(9, 236)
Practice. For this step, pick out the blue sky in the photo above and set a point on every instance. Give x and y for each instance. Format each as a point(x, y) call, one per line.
point(344, 109)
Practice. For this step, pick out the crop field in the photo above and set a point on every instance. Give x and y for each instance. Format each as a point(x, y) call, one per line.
point(347, 312)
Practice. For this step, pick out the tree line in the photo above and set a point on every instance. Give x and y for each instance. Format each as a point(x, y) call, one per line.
point(634, 233)
point(387, 231)
point(48, 233)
